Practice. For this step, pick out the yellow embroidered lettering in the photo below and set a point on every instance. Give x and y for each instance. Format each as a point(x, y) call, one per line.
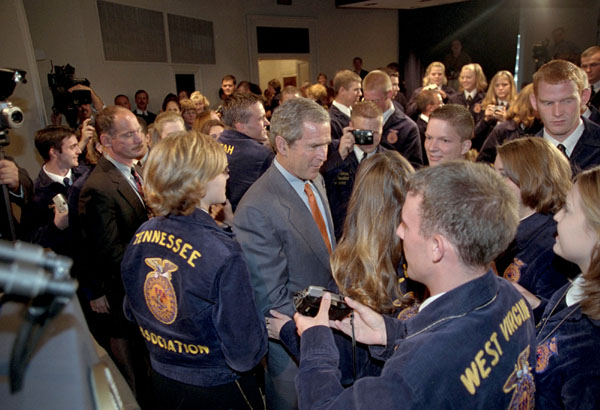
point(171, 346)
point(483, 370)
point(184, 249)
point(203, 349)
point(170, 239)
point(178, 345)
point(195, 255)
point(517, 315)
point(162, 239)
point(155, 236)
point(470, 378)
point(193, 349)
point(177, 245)
point(492, 352)
point(147, 236)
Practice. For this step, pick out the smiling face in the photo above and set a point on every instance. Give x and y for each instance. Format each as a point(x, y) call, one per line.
point(68, 156)
point(559, 107)
point(575, 239)
point(228, 87)
point(442, 142)
point(467, 79)
point(304, 157)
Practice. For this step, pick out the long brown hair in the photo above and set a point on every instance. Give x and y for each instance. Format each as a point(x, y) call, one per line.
point(490, 96)
point(521, 111)
point(365, 262)
point(588, 183)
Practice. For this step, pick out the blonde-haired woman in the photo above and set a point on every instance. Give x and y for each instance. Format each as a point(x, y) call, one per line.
point(472, 90)
point(567, 373)
point(500, 95)
point(187, 285)
point(435, 78)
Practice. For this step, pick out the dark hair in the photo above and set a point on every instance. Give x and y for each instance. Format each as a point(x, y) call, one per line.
point(229, 77)
point(141, 91)
point(236, 108)
point(51, 137)
point(458, 117)
point(170, 97)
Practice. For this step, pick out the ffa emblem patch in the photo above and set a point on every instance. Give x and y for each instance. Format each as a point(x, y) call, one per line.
point(513, 272)
point(408, 312)
point(158, 290)
point(392, 137)
point(521, 381)
point(544, 352)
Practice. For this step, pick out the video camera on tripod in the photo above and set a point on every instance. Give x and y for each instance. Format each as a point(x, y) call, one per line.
point(60, 81)
point(10, 116)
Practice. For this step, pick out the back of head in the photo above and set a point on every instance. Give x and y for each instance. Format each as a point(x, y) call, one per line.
point(377, 80)
point(425, 98)
point(178, 169)
point(540, 170)
point(289, 92)
point(289, 118)
point(366, 109)
point(276, 84)
point(316, 92)
point(51, 137)
point(163, 119)
point(365, 262)
point(458, 117)
point(344, 78)
point(105, 119)
point(470, 205)
point(521, 111)
point(558, 71)
point(187, 105)
point(236, 108)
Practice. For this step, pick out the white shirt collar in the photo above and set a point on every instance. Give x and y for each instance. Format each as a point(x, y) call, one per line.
point(587, 113)
point(596, 86)
point(575, 292)
point(345, 110)
point(140, 112)
point(472, 93)
point(424, 117)
point(56, 177)
point(570, 141)
point(429, 300)
point(360, 153)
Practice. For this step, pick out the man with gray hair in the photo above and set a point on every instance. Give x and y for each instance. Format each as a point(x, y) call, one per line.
point(472, 342)
point(284, 226)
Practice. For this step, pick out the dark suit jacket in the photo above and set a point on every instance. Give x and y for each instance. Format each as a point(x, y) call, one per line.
point(110, 212)
point(338, 122)
point(586, 153)
point(474, 107)
point(595, 100)
point(401, 134)
point(282, 244)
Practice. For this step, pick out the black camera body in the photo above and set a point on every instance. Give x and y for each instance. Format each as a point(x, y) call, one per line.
point(363, 137)
point(308, 301)
point(65, 102)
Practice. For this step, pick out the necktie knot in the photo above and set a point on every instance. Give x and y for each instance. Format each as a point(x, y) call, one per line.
point(67, 182)
point(563, 149)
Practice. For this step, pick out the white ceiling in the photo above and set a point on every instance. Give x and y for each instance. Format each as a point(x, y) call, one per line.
point(397, 4)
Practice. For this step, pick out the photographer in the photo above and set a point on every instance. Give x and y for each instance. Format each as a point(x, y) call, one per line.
point(82, 103)
point(345, 155)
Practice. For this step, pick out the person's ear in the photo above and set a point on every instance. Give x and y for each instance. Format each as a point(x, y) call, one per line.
point(533, 101)
point(105, 140)
point(466, 146)
point(281, 145)
point(438, 248)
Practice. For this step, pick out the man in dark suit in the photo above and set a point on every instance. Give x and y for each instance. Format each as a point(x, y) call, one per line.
point(347, 88)
point(111, 208)
point(344, 157)
point(400, 133)
point(560, 92)
point(590, 63)
point(285, 228)
point(141, 110)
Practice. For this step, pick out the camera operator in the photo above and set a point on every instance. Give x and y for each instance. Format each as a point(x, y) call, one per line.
point(345, 155)
point(84, 109)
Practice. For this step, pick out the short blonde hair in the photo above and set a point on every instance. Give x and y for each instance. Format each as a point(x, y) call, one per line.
point(377, 80)
point(187, 105)
point(178, 169)
point(540, 170)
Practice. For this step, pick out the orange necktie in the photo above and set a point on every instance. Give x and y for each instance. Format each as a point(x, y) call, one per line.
point(314, 208)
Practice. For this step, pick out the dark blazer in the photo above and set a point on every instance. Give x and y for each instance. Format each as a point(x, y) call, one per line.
point(282, 244)
point(338, 122)
point(586, 153)
point(110, 212)
point(595, 100)
point(401, 134)
point(413, 112)
point(474, 107)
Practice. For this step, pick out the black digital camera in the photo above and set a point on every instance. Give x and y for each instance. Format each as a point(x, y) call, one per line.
point(308, 301)
point(363, 137)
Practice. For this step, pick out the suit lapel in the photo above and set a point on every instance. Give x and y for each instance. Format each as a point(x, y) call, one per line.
point(299, 216)
point(123, 187)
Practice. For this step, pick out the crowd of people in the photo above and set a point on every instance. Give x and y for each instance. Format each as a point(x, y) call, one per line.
point(462, 226)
